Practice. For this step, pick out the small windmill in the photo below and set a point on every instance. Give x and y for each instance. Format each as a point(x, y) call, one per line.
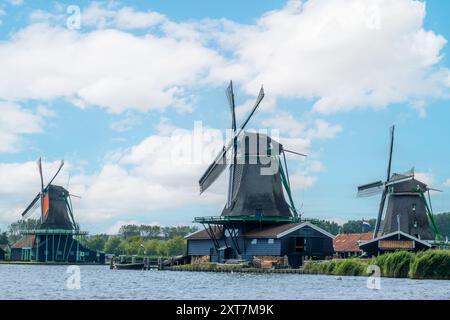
point(247, 154)
point(407, 209)
point(55, 204)
point(57, 237)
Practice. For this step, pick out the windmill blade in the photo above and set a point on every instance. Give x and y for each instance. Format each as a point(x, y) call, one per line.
point(294, 152)
point(380, 213)
point(258, 101)
point(74, 195)
point(230, 96)
point(57, 172)
point(32, 204)
point(391, 149)
point(370, 189)
point(214, 170)
point(433, 189)
point(220, 163)
point(68, 182)
point(383, 197)
point(39, 164)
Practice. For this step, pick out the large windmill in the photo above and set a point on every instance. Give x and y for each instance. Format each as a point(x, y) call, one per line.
point(57, 236)
point(408, 208)
point(257, 185)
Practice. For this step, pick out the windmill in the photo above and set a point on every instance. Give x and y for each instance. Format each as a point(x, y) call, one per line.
point(407, 209)
point(57, 237)
point(253, 190)
point(257, 183)
point(55, 204)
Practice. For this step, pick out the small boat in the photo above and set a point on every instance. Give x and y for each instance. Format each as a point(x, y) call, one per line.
point(126, 264)
point(129, 266)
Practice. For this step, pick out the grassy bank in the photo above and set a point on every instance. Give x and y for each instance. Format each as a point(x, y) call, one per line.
point(433, 264)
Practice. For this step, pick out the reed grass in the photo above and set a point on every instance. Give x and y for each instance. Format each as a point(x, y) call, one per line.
point(432, 264)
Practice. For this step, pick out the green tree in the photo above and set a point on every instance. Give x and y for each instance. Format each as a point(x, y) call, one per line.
point(15, 228)
point(114, 246)
point(176, 246)
point(4, 237)
point(330, 226)
point(129, 230)
point(152, 247)
point(443, 223)
point(355, 226)
point(96, 242)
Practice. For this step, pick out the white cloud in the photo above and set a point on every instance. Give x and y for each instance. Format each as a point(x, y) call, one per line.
point(126, 122)
point(16, 2)
point(109, 68)
point(425, 177)
point(101, 15)
point(447, 183)
point(298, 134)
point(346, 54)
point(341, 54)
point(300, 180)
point(159, 173)
point(16, 121)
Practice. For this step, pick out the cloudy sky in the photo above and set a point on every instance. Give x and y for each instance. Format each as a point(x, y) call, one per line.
point(116, 89)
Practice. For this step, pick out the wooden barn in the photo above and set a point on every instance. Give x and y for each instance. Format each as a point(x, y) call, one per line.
point(394, 241)
point(294, 242)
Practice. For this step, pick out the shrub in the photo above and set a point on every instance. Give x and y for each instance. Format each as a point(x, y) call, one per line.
point(397, 264)
point(433, 264)
point(349, 267)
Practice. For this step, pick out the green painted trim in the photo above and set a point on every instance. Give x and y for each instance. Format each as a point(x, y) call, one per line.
point(57, 249)
point(65, 245)
point(287, 187)
point(437, 234)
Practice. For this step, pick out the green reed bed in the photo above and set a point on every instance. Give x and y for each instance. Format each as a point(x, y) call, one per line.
point(432, 264)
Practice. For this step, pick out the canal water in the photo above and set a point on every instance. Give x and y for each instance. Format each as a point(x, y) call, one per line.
point(99, 282)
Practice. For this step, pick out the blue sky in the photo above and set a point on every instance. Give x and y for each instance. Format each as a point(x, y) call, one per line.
point(107, 97)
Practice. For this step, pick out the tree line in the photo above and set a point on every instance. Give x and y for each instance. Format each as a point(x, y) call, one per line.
point(156, 240)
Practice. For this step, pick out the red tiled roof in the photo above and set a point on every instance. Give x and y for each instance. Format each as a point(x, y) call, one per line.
point(349, 242)
point(25, 242)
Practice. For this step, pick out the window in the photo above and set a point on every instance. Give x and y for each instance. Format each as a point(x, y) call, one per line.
point(270, 241)
point(254, 241)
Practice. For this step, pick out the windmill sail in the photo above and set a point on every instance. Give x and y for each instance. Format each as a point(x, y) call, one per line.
point(383, 197)
point(220, 163)
point(370, 189)
point(31, 206)
point(231, 180)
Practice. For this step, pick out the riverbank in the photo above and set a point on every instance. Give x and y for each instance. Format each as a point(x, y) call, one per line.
point(215, 267)
point(432, 264)
point(50, 263)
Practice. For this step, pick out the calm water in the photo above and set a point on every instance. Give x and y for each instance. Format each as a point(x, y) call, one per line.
point(98, 282)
